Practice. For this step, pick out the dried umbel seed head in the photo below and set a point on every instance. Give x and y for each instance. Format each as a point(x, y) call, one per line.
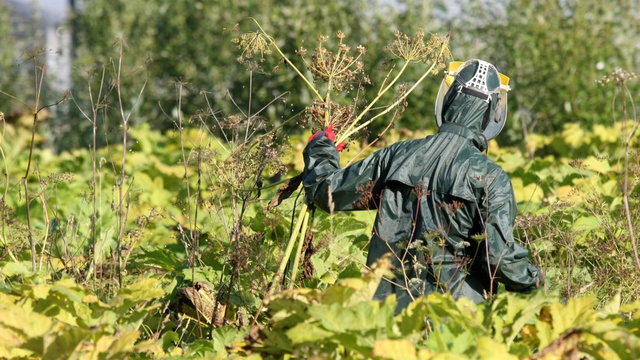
point(619, 76)
point(340, 69)
point(578, 164)
point(252, 43)
point(367, 197)
point(248, 162)
point(414, 48)
point(302, 52)
point(232, 122)
point(339, 116)
point(34, 52)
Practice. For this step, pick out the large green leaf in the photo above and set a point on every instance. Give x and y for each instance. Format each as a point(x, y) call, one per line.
point(15, 268)
point(489, 349)
point(395, 349)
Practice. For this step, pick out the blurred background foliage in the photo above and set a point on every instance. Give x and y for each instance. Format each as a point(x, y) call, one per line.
point(193, 214)
point(541, 45)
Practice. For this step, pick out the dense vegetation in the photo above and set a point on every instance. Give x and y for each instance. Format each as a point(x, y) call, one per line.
point(177, 227)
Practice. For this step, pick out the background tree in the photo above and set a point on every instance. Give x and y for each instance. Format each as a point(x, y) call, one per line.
point(190, 42)
point(554, 51)
point(16, 38)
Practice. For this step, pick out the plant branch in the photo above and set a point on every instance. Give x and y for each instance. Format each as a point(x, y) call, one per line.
point(351, 131)
point(286, 59)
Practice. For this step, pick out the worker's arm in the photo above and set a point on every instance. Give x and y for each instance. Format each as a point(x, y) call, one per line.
point(334, 189)
point(507, 258)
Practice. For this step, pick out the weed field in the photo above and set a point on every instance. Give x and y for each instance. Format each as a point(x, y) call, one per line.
point(197, 242)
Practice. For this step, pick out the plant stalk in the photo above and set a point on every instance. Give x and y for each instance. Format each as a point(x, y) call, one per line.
point(287, 252)
point(351, 131)
point(296, 261)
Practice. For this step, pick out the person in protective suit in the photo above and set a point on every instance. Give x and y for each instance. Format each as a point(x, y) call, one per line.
point(445, 211)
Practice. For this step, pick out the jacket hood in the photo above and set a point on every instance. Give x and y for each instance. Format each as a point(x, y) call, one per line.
point(468, 112)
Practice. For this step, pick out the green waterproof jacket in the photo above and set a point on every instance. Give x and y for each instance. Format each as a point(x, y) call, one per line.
point(445, 210)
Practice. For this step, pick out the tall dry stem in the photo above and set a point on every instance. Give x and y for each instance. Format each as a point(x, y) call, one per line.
point(39, 71)
point(97, 104)
point(627, 127)
point(125, 117)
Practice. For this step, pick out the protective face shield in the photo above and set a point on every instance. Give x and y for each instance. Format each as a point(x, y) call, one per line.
point(480, 79)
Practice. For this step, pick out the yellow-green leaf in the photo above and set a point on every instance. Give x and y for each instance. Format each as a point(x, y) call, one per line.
point(598, 165)
point(395, 349)
point(15, 268)
point(574, 135)
point(488, 349)
point(530, 192)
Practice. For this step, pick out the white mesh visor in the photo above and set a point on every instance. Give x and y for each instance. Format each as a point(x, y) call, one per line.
point(477, 82)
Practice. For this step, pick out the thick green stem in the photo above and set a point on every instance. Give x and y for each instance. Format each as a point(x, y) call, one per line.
point(289, 249)
point(348, 133)
point(296, 260)
point(373, 102)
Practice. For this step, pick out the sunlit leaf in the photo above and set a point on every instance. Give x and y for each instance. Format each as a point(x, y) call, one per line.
point(574, 134)
point(15, 268)
point(62, 342)
point(304, 332)
point(124, 343)
point(587, 223)
point(600, 166)
point(512, 160)
point(606, 134)
point(490, 350)
point(144, 290)
point(395, 349)
point(529, 193)
point(568, 194)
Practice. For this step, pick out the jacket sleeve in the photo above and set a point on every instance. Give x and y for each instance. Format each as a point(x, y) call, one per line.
point(506, 257)
point(332, 188)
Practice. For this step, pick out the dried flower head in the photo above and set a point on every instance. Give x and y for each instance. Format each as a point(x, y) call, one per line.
point(253, 43)
point(337, 69)
point(414, 48)
point(302, 52)
point(578, 164)
point(618, 76)
point(34, 52)
point(366, 198)
point(344, 47)
point(249, 162)
point(339, 116)
point(232, 122)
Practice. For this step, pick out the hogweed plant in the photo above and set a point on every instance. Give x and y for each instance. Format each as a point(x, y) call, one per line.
point(226, 158)
point(627, 126)
point(98, 103)
point(338, 72)
point(586, 239)
point(125, 113)
point(39, 70)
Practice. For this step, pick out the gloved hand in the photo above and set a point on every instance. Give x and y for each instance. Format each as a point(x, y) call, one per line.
point(328, 132)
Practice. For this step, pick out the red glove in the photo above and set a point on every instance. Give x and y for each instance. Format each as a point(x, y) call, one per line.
point(328, 132)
